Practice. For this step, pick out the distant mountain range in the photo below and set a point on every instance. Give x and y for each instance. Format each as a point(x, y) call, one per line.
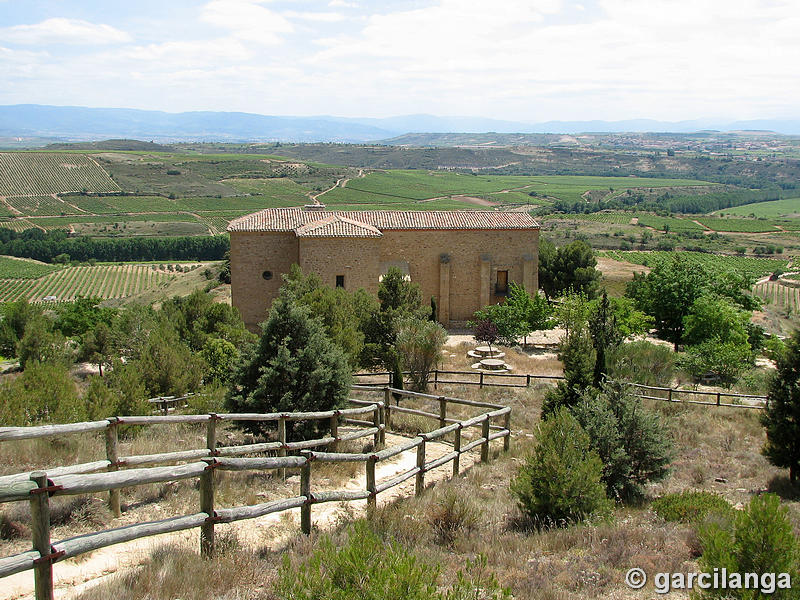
point(74, 123)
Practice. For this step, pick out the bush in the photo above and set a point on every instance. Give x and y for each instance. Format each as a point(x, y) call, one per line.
point(757, 540)
point(631, 441)
point(560, 483)
point(44, 393)
point(641, 362)
point(455, 513)
point(690, 506)
point(370, 568)
point(420, 344)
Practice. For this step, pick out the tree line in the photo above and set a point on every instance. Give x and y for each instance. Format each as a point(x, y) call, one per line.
point(46, 246)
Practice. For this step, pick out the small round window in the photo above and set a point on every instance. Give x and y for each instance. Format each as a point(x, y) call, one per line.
point(267, 275)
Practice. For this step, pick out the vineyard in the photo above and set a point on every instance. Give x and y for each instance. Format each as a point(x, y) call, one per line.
point(771, 209)
point(20, 268)
point(667, 223)
point(737, 225)
point(779, 295)
point(41, 205)
point(44, 173)
point(755, 267)
point(101, 281)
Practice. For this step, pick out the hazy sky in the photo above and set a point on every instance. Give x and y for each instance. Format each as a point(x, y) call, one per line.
point(530, 60)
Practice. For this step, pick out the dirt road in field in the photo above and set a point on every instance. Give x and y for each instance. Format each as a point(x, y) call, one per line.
point(75, 576)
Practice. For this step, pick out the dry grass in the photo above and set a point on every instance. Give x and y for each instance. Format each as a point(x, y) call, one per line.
point(717, 449)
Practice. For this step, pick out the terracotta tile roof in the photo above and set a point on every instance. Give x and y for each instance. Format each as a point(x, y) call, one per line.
point(337, 226)
point(293, 219)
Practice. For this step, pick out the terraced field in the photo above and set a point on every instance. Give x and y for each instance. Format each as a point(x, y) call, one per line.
point(102, 281)
point(756, 267)
point(44, 173)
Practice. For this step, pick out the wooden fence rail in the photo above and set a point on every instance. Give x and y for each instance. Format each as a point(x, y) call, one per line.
point(37, 487)
point(488, 379)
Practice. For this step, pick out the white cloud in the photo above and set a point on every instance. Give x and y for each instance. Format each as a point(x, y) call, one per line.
point(323, 17)
point(64, 31)
point(342, 4)
point(247, 20)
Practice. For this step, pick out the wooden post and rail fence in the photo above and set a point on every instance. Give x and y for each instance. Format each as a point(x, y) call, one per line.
point(525, 380)
point(367, 418)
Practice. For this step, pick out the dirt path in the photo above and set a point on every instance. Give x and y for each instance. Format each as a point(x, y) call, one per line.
point(77, 575)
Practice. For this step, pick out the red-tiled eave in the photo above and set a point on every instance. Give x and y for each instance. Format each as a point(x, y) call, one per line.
point(292, 219)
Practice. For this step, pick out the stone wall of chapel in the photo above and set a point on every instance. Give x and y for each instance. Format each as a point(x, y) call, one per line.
point(354, 258)
point(422, 249)
point(252, 254)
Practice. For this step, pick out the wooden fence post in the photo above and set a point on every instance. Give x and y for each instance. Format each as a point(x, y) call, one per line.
point(334, 432)
point(669, 395)
point(382, 416)
point(718, 399)
point(112, 454)
point(372, 500)
point(211, 434)
point(507, 425)
point(305, 490)
point(457, 449)
point(282, 440)
point(528, 380)
point(419, 485)
point(481, 381)
point(207, 506)
point(387, 406)
point(442, 411)
point(376, 420)
point(40, 532)
point(436, 379)
point(485, 444)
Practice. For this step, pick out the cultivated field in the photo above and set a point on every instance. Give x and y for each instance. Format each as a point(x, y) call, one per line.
point(756, 267)
point(68, 283)
point(44, 173)
point(737, 225)
point(21, 268)
point(769, 210)
point(399, 187)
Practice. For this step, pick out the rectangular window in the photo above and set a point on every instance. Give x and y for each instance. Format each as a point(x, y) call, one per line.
point(501, 288)
point(340, 281)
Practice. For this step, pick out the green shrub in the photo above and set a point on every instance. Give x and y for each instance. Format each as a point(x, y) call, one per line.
point(44, 393)
point(642, 362)
point(370, 568)
point(757, 540)
point(631, 441)
point(560, 483)
point(690, 506)
point(420, 343)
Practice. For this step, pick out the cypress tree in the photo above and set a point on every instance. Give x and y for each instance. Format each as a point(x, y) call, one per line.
point(781, 418)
